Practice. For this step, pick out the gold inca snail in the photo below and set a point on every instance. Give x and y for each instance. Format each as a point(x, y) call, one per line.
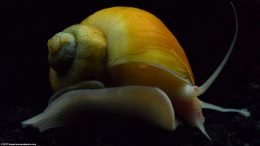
point(137, 52)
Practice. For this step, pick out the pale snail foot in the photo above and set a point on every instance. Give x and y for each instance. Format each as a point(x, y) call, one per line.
point(124, 100)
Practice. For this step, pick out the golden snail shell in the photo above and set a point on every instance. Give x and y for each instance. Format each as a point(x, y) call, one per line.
point(128, 39)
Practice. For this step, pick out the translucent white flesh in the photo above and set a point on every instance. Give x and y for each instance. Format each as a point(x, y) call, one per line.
point(149, 103)
point(81, 85)
point(242, 112)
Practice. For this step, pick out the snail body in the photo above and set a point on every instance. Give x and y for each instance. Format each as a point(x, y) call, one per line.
point(139, 52)
point(134, 49)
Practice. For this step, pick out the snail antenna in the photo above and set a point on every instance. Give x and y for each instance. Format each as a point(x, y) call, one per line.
point(212, 78)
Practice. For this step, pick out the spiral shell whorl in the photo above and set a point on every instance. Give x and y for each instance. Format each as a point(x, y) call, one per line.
point(61, 50)
point(75, 54)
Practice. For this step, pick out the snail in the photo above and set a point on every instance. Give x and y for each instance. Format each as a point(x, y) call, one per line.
point(131, 47)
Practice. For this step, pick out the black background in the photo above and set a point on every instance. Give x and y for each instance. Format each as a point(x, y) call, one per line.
point(204, 29)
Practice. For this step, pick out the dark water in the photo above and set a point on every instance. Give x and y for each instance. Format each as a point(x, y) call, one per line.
point(203, 28)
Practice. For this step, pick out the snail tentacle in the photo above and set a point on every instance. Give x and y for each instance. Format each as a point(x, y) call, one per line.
point(212, 78)
point(242, 112)
point(201, 127)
